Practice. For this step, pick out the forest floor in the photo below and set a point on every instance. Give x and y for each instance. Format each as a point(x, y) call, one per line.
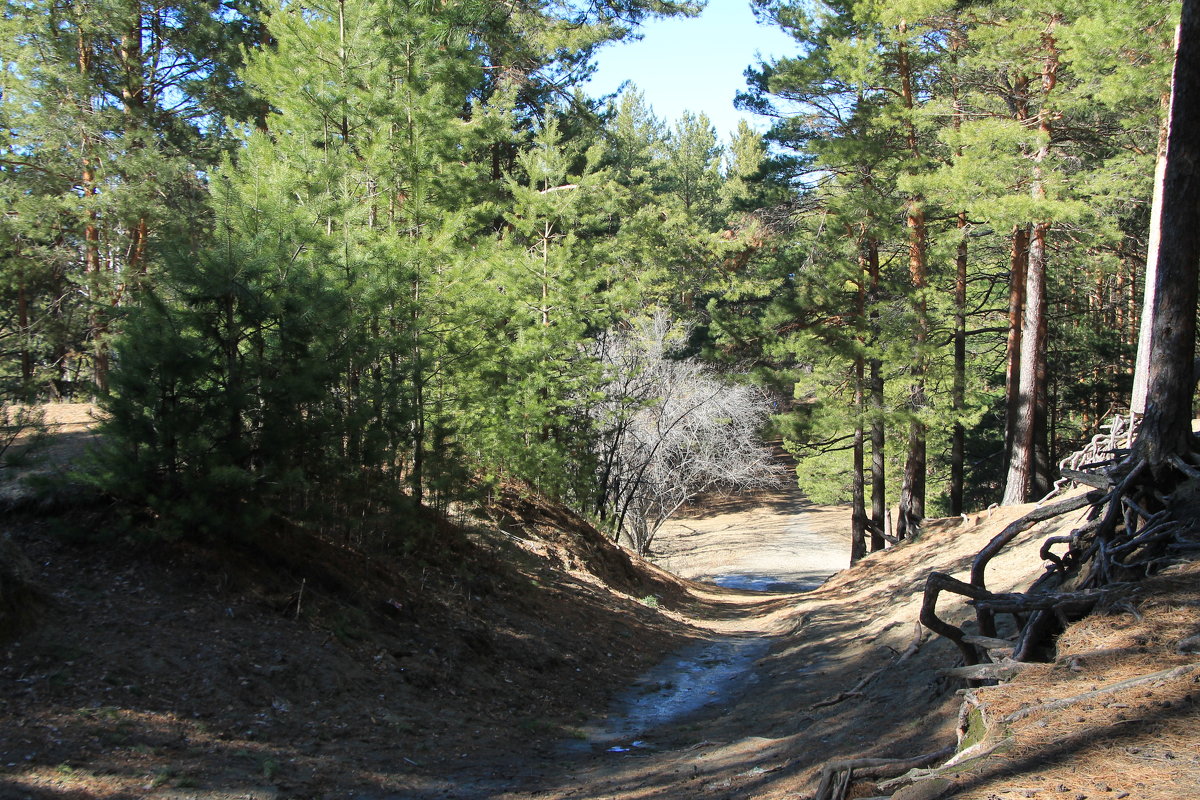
point(531, 659)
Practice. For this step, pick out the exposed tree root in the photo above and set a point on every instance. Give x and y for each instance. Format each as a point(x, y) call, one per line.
point(1136, 524)
point(1139, 519)
point(836, 776)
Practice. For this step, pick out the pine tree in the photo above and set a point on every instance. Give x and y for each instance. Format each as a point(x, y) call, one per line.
point(112, 109)
point(693, 164)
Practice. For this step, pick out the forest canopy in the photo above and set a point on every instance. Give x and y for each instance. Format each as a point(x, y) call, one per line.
point(325, 260)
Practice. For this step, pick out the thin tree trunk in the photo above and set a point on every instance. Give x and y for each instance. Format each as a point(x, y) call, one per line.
point(1021, 466)
point(858, 514)
point(878, 438)
point(958, 441)
point(417, 475)
point(1019, 264)
point(1029, 430)
point(91, 230)
point(23, 324)
point(133, 100)
point(912, 490)
point(958, 444)
point(1042, 478)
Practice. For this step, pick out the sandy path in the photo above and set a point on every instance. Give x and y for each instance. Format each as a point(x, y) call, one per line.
point(774, 540)
point(827, 682)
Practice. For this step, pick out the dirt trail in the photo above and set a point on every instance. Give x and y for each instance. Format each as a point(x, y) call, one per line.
point(818, 683)
point(768, 541)
point(700, 713)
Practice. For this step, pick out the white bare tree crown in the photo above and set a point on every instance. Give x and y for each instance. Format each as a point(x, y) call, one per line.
point(671, 429)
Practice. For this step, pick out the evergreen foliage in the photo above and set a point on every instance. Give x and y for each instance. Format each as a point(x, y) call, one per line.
point(332, 260)
point(928, 133)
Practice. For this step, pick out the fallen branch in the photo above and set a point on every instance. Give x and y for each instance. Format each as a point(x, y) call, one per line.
point(1075, 661)
point(989, 642)
point(998, 671)
point(916, 775)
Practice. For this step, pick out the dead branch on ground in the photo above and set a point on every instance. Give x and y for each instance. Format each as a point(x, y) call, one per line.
point(1063, 702)
point(836, 776)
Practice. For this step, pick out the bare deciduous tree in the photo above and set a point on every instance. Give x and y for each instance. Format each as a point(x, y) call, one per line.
point(671, 430)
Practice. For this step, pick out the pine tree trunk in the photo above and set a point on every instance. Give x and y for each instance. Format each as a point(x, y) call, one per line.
point(1141, 370)
point(23, 326)
point(858, 513)
point(1042, 478)
point(91, 234)
point(1029, 428)
point(912, 489)
point(1021, 466)
point(878, 462)
point(133, 100)
point(416, 476)
point(1166, 427)
point(958, 440)
point(1019, 263)
point(958, 444)
point(878, 439)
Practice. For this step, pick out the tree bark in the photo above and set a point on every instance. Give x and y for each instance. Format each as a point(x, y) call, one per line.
point(958, 440)
point(858, 513)
point(1019, 263)
point(958, 443)
point(133, 100)
point(1029, 427)
point(912, 489)
point(1042, 478)
point(91, 228)
point(878, 439)
point(1166, 427)
point(23, 326)
point(1021, 466)
point(1141, 370)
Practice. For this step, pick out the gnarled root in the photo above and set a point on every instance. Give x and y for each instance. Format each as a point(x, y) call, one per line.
point(1132, 529)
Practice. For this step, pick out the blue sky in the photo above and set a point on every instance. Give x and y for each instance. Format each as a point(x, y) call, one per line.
point(693, 64)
